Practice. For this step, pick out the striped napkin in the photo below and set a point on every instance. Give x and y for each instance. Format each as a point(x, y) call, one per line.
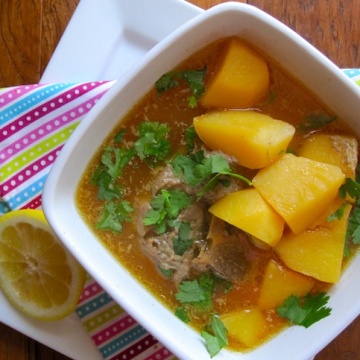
point(35, 122)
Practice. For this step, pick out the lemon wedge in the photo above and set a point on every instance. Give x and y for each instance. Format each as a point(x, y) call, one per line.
point(38, 275)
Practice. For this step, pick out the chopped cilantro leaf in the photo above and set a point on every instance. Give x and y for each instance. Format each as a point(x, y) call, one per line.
point(195, 79)
point(113, 215)
point(181, 313)
point(166, 206)
point(315, 121)
point(197, 168)
point(107, 188)
point(350, 187)
point(115, 159)
point(197, 292)
point(119, 136)
point(152, 144)
point(217, 339)
point(338, 214)
point(353, 229)
point(166, 272)
point(190, 137)
point(182, 241)
point(305, 311)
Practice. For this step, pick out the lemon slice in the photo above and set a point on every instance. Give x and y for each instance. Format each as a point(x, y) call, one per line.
point(37, 274)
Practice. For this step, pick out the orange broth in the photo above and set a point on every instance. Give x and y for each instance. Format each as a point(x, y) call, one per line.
point(288, 100)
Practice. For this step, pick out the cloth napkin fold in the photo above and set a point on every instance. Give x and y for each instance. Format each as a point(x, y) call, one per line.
point(35, 122)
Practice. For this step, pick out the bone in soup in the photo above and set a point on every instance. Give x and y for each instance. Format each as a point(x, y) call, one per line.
point(227, 192)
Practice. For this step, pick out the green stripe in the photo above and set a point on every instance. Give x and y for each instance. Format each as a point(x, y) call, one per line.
point(102, 318)
point(36, 151)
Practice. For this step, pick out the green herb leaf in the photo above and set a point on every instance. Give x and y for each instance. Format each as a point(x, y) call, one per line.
point(218, 339)
point(195, 79)
point(152, 144)
point(166, 206)
point(113, 216)
point(182, 314)
point(167, 272)
point(119, 136)
point(115, 159)
point(190, 137)
point(305, 311)
point(315, 121)
point(196, 168)
point(182, 241)
point(338, 214)
point(350, 187)
point(108, 189)
point(197, 292)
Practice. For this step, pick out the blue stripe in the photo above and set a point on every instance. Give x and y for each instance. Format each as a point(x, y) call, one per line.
point(27, 194)
point(122, 341)
point(352, 72)
point(93, 305)
point(31, 100)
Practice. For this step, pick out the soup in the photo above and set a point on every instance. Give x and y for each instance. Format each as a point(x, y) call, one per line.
point(160, 188)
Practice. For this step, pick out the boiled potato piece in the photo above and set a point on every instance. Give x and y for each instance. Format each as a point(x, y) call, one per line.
point(241, 78)
point(246, 326)
point(317, 253)
point(256, 140)
point(338, 150)
point(247, 210)
point(279, 282)
point(299, 189)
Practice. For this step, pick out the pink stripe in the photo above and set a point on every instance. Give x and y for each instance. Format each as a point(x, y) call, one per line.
point(28, 172)
point(90, 291)
point(15, 92)
point(136, 349)
point(49, 127)
point(161, 354)
point(45, 109)
point(35, 203)
point(113, 330)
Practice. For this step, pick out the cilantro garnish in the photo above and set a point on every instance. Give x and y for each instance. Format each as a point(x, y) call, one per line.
point(152, 144)
point(190, 137)
point(353, 229)
point(119, 136)
point(165, 207)
point(315, 121)
point(350, 187)
point(113, 215)
point(216, 337)
point(182, 314)
point(338, 214)
point(197, 292)
point(305, 311)
point(182, 240)
point(197, 168)
point(115, 159)
point(195, 79)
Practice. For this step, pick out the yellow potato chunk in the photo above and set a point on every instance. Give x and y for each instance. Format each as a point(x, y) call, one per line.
point(299, 189)
point(317, 253)
point(240, 80)
point(256, 140)
point(246, 326)
point(279, 282)
point(338, 150)
point(247, 210)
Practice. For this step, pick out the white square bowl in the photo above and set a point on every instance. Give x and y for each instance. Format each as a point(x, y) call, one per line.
point(294, 55)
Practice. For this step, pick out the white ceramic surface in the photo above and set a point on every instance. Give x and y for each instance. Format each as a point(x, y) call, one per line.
point(120, 37)
point(292, 53)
